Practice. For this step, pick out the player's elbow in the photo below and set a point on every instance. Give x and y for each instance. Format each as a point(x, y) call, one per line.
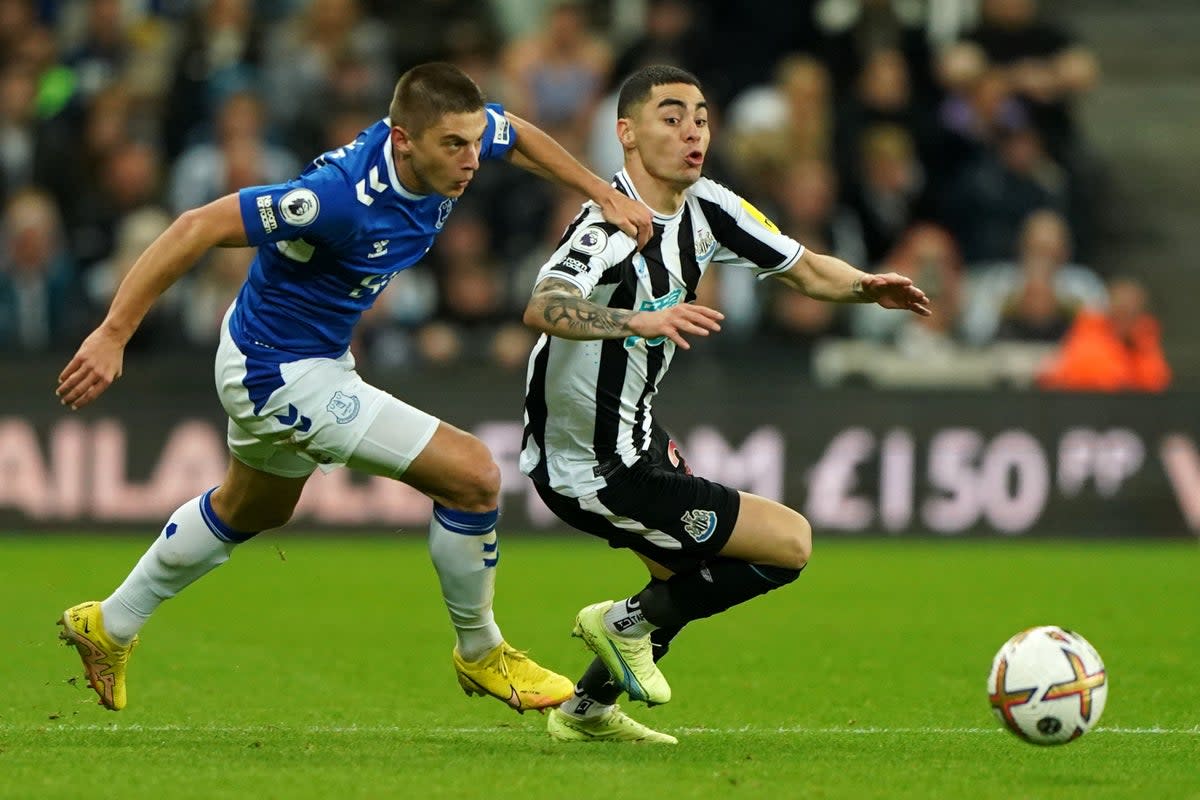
point(533, 316)
point(218, 223)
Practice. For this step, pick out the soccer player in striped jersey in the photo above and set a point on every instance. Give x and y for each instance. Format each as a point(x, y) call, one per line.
point(611, 317)
point(328, 243)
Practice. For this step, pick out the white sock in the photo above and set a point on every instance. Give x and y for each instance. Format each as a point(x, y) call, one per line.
point(625, 618)
point(583, 707)
point(465, 552)
point(192, 543)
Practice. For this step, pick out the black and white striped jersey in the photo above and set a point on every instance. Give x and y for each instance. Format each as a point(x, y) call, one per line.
point(588, 403)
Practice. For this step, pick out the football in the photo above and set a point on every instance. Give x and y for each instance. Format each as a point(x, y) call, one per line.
point(1048, 685)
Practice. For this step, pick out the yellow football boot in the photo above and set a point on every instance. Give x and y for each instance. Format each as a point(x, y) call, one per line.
point(630, 660)
point(612, 726)
point(103, 659)
point(513, 678)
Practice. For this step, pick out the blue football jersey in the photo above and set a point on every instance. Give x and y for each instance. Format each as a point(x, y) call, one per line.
point(331, 240)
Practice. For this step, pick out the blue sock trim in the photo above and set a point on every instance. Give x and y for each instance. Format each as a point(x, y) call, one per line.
point(468, 523)
point(220, 529)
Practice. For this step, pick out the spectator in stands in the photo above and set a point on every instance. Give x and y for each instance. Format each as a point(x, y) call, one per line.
point(883, 94)
point(441, 30)
point(238, 156)
point(891, 192)
point(301, 55)
point(1035, 296)
point(99, 57)
point(928, 255)
point(671, 35)
point(474, 306)
point(988, 201)
point(1034, 312)
point(70, 163)
point(134, 233)
point(853, 31)
point(806, 195)
point(978, 108)
point(558, 75)
point(790, 119)
point(213, 288)
point(17, 19)
point(220, 52)
point(18, 127)
point(38, 292)
point(1113, 351)
point(1046, 65)
point(745, 53)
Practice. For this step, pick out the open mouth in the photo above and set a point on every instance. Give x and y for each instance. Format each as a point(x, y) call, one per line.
point(695, 158)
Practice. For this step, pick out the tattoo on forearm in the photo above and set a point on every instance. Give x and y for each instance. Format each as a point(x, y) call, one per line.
point(856, 289)
point(564, 308)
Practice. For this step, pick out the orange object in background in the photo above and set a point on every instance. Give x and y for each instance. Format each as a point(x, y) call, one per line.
point(1119, 350)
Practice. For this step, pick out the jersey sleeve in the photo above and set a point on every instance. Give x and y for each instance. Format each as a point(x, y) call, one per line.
point(587, 250)
point(499, 136)
point(745, 237)
point(319, 207)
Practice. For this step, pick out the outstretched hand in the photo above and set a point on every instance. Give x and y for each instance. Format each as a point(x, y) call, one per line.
point(95, 366)
point(892, 290)
point(674, 322)
point(632, 217)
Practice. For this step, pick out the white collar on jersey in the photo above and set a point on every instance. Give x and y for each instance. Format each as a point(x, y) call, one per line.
point(391, 167)
point(627, 183)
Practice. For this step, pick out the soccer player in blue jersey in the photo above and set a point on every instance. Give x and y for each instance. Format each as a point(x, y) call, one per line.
point(328, 243)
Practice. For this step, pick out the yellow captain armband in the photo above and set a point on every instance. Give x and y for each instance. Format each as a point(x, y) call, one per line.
point(758, 215)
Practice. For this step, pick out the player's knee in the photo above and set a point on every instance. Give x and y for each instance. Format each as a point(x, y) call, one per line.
point(797, 549)
point(478, 484)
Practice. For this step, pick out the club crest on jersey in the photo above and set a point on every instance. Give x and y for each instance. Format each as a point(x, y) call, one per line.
point(344, 407)
point(444, 212)
point(299, 207)
point(672, 298)
point(705, 244)
point(699, 523)
point(591, 240)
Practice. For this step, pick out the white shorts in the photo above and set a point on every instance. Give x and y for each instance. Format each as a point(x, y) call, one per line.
point(286, 419)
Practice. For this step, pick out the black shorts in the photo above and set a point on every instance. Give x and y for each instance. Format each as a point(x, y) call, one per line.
point(657, 508)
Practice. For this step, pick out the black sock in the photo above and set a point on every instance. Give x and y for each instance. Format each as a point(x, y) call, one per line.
point(719, 584)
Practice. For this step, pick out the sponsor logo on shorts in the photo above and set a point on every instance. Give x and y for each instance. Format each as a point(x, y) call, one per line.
point(266, 213)
point(699, 523)
point(344, 407)
point(299, 207)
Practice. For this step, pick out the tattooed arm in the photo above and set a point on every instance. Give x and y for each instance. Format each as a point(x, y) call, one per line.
point(558, 308)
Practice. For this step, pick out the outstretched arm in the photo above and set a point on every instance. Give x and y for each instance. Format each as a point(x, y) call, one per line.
point(98, 361)
point(559, 309)
point(827, 278)
point(536, 152)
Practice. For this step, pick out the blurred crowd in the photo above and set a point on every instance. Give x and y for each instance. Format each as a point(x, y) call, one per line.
point(936, 138)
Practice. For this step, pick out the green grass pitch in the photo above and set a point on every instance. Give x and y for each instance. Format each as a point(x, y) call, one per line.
point(320, 667)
